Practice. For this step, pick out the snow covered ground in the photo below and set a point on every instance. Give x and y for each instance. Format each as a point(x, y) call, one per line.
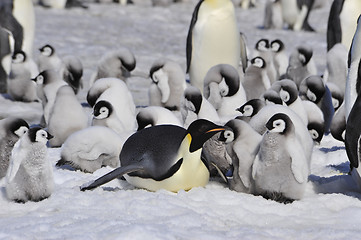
point(331, 208)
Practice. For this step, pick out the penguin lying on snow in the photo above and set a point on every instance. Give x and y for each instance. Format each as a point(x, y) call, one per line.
point(164, 157)
point(30, 174)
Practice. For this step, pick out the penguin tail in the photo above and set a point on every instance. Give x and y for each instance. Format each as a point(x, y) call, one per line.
point(118, 172)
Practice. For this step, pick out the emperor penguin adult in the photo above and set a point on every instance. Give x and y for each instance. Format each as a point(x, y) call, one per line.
point(281, 169)
point(224, 90)
point(91, 148)
point(354, 70)
point(168, 84)
point(20, 86)
point(156, 115)
point(164, 157)
point(195, 106)
point(242, 145)
point(352, 139)
point(213, 38)
point(342, 22)
point(116, 92)
point(115, 64)
point(30, 174)
point(66, 116)
point(11, 129)
point(295, 14)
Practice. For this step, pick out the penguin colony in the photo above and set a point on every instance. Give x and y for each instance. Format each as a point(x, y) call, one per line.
point(249, 115)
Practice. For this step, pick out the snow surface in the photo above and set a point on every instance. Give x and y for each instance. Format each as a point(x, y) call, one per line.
point(331, 208)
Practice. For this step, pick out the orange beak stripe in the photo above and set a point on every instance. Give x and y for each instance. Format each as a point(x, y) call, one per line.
point(216, 130)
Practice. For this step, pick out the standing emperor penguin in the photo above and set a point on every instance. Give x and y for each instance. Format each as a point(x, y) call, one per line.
point(295, 14)
point(164, 157)
point(342, 22)
point(281, 169)
point(30, 174)
point(11, 129)
point(213, 38)
point(354, 70)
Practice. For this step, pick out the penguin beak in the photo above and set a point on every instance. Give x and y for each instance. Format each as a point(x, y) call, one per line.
point(49, 136)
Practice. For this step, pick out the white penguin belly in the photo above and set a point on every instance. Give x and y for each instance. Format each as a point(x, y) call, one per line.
point(289, 11)
point(216, 40)
point(348, 19)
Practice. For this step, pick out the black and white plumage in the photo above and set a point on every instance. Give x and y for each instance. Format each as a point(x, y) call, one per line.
point(263, 50)
point(164, 157)
point(92, 148)
point(20, 86)
point(242, 145)
point(116, 92)
point(50, 60)
point(115, 64)
point(30, 174)
point(295, 14)
point(156, 115)
point(104, 115)
point(195, 106)
point(273, 15)
point(280, 57)
point(250, 108)
point(256, 80)
point(315, 120)
point(66, 116)
point(11, 129)
point(281, 169)
point(338, 124)
point(213, 38)
point(73, 72)
point(224, 90)
point(168, 84)
point(342, 22)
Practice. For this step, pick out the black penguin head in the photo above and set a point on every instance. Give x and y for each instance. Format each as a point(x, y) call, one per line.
point(144, 119)
point(102, 109)
point(18, 127)
point(227, 136)
point(277, 45)
point(231, 77)
point(262, 45)
point(46, 77)
point(201, 130)
point(316, 131)
point(47, 50)
point(305, 55)
point(155, 68)
point(38, 134)
point(259, 62)
point(19, 56)
point(251, 107)
point(272, 97)
point(315, 88)
point(194, 95)
point(288, 91)
point(280, 123)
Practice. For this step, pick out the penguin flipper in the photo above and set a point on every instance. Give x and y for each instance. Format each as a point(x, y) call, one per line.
point(118, 172)
point(334, 24)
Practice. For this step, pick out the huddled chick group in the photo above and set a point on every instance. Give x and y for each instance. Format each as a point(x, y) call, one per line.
point(251, 117)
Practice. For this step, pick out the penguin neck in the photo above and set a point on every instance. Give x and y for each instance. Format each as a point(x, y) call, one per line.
point(215, 3)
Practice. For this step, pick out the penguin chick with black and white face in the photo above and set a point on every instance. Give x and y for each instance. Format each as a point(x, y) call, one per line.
point(338, 124)
point(262, 49)
point(20, 86)
point(49, 59)
point(48, 83)
point(289, 94)
point(224, 90)
point(314, 89)
point(242, 144)
point(316, 123)
point(195, 106)
point(67, 116)
point(256, 80)
point(164, 157)
point(280, 171)
point(104, 115)
point(168, 84)
point(272, 97)
point(116, 92)
point(11, 129)
point(90, 149)
point(73, 72)
point(280, 57)
point(115, 64)
point(30, 173)
point(213, 26)
point(301, 64)
point(156, 115)
point(250, 108)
